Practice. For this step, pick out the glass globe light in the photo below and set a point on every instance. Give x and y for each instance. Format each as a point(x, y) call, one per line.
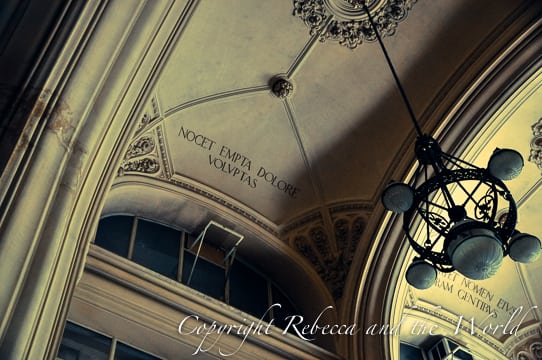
point(398, 197)
point(474, 250)
point(505, 164)
point(421, 274)
point(524, 248)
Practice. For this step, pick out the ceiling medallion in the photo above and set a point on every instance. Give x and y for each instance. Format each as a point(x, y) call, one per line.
point(281, 86)
point(346, 22)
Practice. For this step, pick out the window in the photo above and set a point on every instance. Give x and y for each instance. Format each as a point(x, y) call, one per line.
point(167, 251)
point(248, 290)
point(79, 343)
point(157, 247)
point(207, 277)
point(409, 352)
point(446, 349)
point(114, 234)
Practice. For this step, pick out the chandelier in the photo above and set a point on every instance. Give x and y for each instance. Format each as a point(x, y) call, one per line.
point(456, 216)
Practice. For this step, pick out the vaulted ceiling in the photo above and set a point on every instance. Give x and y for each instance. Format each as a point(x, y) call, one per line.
point(282, 121)
point(334, 136)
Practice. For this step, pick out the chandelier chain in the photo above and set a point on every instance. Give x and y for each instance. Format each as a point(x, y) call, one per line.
point(392, 68)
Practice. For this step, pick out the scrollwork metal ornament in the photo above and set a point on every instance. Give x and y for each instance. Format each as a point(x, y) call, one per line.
point(346, 22)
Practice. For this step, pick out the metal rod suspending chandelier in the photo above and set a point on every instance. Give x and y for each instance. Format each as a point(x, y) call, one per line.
point(456, 216)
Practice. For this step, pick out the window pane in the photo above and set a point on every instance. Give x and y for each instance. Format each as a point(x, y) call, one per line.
point(462, 355)
point(287, 309)
point(408, 352)
point(79, 343)
point(452, 345)
point(157, 248)
point(441, 350)
point(114, 234)
point(248, 290)
point(207, 277)
point(125, 352)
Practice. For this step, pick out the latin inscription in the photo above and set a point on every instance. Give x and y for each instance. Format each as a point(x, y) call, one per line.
point(237, 165)
point(471, 292)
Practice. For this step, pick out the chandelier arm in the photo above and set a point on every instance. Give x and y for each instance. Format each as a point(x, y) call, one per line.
point(427, 227)
point(434, 204)
point(457, 161)
point(392, 69)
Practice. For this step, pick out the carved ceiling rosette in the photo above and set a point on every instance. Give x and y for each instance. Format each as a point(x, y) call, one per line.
point(346, 22)
point(281, 87)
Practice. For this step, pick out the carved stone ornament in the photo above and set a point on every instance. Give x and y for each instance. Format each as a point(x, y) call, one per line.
point(332, 267)
point(346, 22)
point(140, 147)
point(141, 156)
point(151, 114)
point(281, 87)
point(536, 350)
point(530, 350)
point(144, 165)
point(536, 144)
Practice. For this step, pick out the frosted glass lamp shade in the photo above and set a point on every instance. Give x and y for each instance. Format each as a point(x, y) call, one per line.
point(524, 248)
point(398, 197)
point(505, 164)
point(421, 274)
point(475, 251)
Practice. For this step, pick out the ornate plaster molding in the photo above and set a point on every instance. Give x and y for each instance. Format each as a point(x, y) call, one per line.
point(531, 350)
point(536, 144)
point(314, 245)
point(345, 21)
point(142, 156)
point(150, 115)
point(281, 87)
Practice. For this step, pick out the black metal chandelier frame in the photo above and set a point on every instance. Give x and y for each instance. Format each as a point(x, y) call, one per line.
point(482, 208)
point(481, 203)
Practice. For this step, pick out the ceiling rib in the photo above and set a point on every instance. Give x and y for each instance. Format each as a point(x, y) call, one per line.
point(216, 97)
point(313, 177)
point(304, 53)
